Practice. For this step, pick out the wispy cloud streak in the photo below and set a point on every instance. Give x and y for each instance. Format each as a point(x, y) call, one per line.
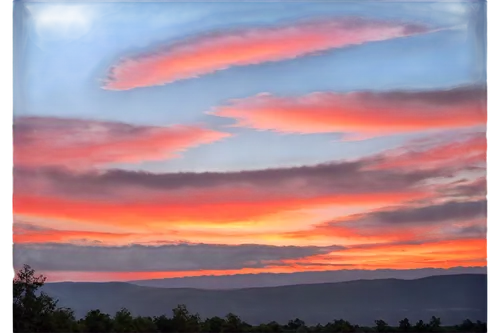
point(213, 52)
point(45, 141)
point(365, 113)
point(119, 196)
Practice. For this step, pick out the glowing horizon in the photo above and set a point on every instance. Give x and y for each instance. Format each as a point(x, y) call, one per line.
point(220, 141)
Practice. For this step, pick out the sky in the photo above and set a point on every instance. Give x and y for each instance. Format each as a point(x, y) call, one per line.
point(173, 139)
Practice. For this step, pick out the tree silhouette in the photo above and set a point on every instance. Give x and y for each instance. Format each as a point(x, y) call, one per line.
point(404, 325)
point(164, 324)
point(144, 324)
point(95, 321)
point(34, 311)
point(295, 324)
point(480, 326)
point(63, 320)
point(435, 324)
point(466, 326)
point(232, 323)
point(381, 325)
point(183, 321)
point(420, 326)
point(123, 321)
point(213, 325)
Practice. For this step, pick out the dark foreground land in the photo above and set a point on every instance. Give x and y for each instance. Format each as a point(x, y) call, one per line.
point(453, 303)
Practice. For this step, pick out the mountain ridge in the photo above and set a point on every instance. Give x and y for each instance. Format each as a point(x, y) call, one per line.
point(239, 281)
point(453, 298)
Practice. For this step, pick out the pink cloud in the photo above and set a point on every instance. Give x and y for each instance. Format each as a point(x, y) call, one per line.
point(206, 54)
point(126, 197)
point(82, 143)
point(466, 152)
point(360, 112)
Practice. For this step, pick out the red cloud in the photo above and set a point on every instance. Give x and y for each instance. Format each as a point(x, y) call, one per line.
point(207, 54)
point(411, 223)
point(128, 198)
point(36, 233)
point(82, 143)
point(360, 112)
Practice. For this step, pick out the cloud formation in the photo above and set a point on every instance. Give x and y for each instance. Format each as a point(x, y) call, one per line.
point(126, 197)
point(45, 141)
point(179, 257)
point(398, 255)
point(94, 263)
point(433, 235)
point(417, 216)
point(465, 152)
point(367, 113)
point(398, 225)
point(422, 205)
point(32, 233)
point(206, 54)
point(421, 223)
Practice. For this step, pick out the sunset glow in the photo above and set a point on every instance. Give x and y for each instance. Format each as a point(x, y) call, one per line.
point(282, 140)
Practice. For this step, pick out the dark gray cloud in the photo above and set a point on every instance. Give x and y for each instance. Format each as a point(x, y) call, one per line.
point(470, 231)
point(123, 196)
point(431, 214)
point(270, 191)
point(425, 220)
point(450, 233)
point(324, 178)
point(321, 178)
point(20, 225)
point(464, 188)
point(180, 257)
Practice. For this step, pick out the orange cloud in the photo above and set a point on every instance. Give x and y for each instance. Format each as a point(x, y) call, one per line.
point(81, 143)
point(393, 246)
point(360, 112)
point(56, 276)
point(214, 52)
point(436, 254)
point(401, 224)
point(162, 236)
point(443, 254)
point(127, 198)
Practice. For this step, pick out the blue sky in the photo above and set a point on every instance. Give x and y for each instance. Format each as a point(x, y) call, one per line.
point(66, 50)
point(328, 135)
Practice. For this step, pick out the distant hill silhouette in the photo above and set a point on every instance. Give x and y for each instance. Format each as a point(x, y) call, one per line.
point(450, 297)
point(285, 279)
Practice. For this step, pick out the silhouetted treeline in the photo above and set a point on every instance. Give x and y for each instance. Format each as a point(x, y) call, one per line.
point(35, 311)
